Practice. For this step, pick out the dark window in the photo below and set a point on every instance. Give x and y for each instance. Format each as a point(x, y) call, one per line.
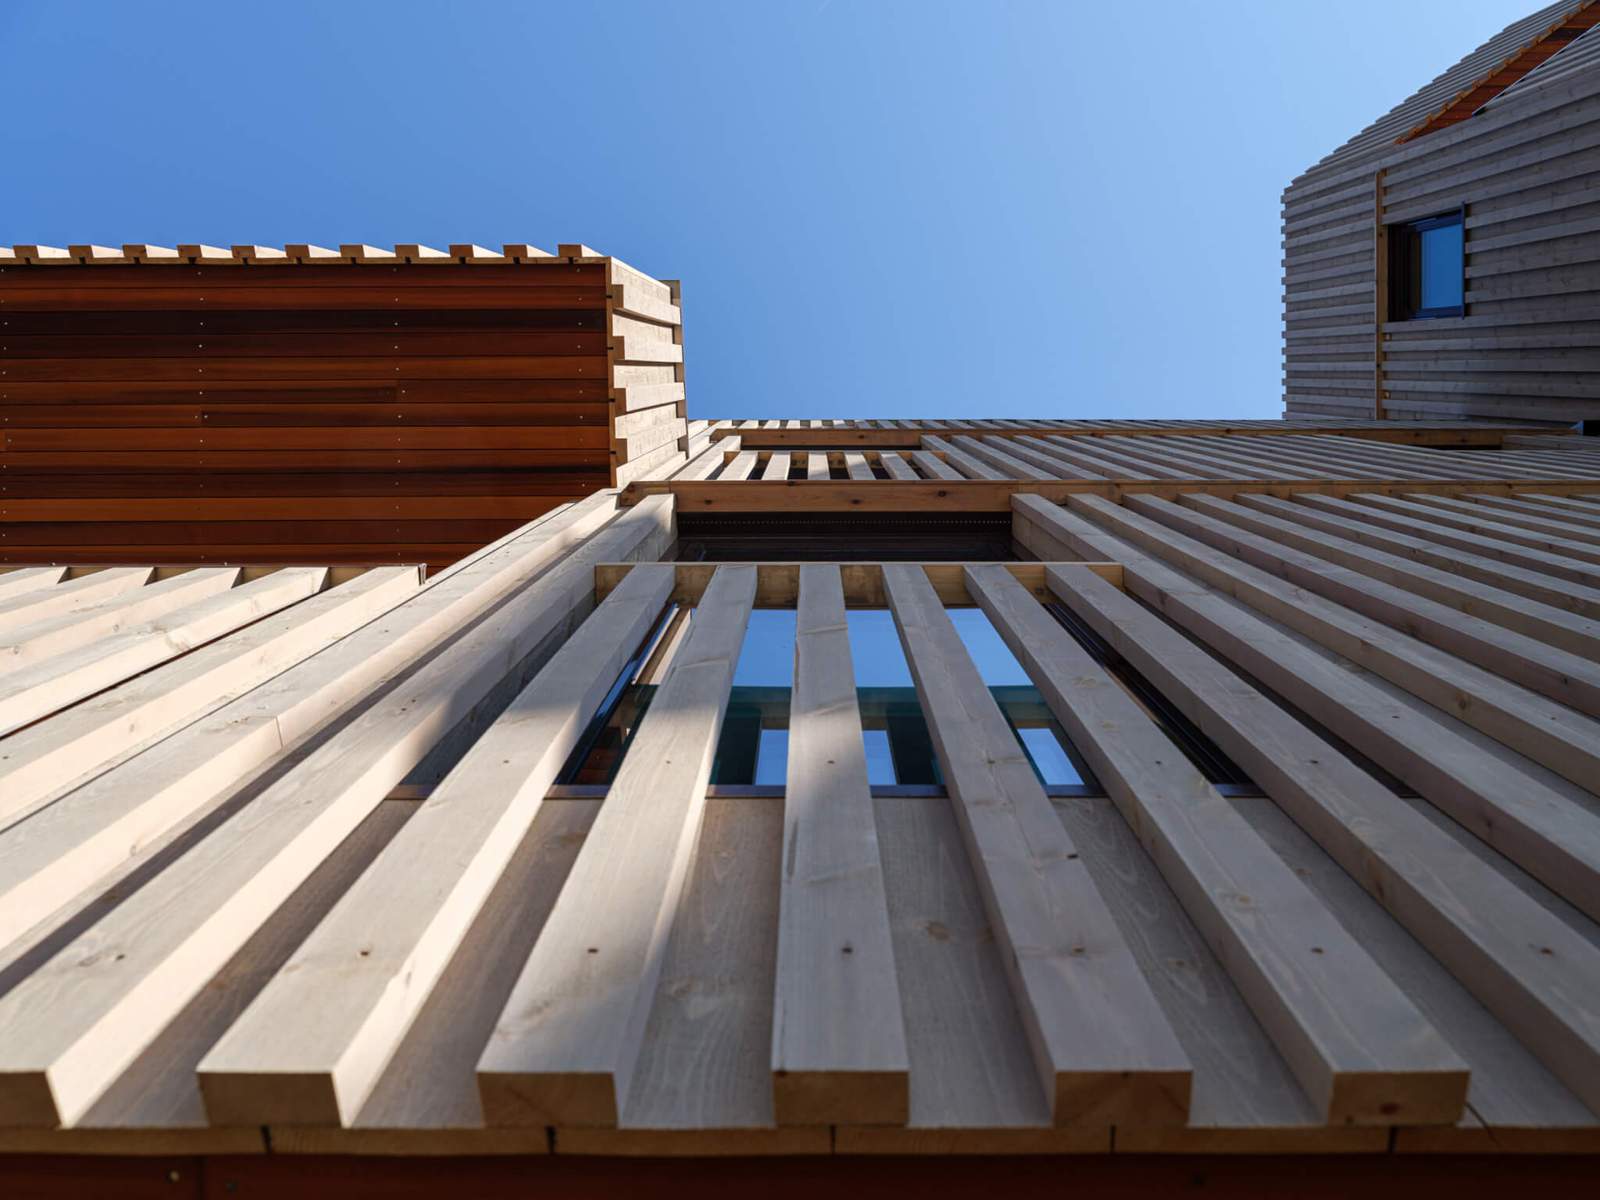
point(845, 537)
point(1206, 755)
point(1427, 268)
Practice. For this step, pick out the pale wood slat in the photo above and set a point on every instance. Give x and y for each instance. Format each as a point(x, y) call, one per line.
point(53, 683)
point(933, 466)
point(1532, 816)
point(1520, 959)
point(1550, 733)
point(1359, 1048)
point(838, 1038)
point(26, 606)
point(311, 1046)
point(994, 454)
point(1552, 524)
point(46, 858)
point(1471, 595)
point(897, 466)
point(1570, 600)
point(1479, 525)
point(960, 460)
point(741, 466)
point(120, 812)
point(14, 581)
point(1523, 558)
point(26, 644)
point(159, 1093)
point(568, 1043)
point(69, 1028)
point(1571, 678)
point(856, 464)
point(1102, 1049)
point(1540, 506)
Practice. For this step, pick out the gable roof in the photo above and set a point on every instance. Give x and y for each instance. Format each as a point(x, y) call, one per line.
point(1525, 54)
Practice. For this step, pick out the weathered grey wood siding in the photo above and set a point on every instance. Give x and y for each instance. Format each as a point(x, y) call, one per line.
point(1527, 168)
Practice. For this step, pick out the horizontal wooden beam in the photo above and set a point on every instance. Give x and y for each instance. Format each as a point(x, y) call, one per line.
point(1474, 435)
point(778, 583)
point(994, 495)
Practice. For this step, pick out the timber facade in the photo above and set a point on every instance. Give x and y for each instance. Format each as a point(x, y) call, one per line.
point(1277, 860)
point(1507, 141)
point(362, 405)
point(431, 763)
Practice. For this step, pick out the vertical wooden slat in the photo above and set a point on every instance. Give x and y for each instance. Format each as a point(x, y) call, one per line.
point(1524, 962)
point(897, 467)
point(25, 606)
point(838, 1039)
point(568, 1041)
point(14, 581)
point(1361, 1050)
point(1103, 1050)
point(51, 684)
point(856, 464)
point(69, 1028)
point(78, 835)
point(1542, 823)
point(24, 644)
point(1552, 734)
point(311, 1046)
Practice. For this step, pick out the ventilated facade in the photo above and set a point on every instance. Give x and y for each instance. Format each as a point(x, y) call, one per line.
point(487, 864)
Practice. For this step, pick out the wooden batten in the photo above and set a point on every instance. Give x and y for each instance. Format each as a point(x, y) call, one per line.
point(567, 1047)
point(838, 1037)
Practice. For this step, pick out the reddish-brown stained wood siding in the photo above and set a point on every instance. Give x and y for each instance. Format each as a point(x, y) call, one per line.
point(340, 413)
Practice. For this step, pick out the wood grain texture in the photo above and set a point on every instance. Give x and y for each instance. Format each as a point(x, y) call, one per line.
point(1101, 1047)
point(567, 1046)
point(75, 1022)
point(838, 1040)
point(1534, 817)
point(405, 376)
point(1307, 981)
point(315, 1041)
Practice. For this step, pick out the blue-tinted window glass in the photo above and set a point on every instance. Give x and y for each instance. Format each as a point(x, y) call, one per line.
point(767, 657)
point(772, 759)
point(1442, 250)
point(880, 759)
point(758, 705)
point(899, 749)
point(1049, 757)
point(995, 662)
point(875, 649)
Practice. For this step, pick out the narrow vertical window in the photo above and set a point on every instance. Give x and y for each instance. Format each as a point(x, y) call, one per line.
point(899, 746)
point(1055, 760)
point(754, 746)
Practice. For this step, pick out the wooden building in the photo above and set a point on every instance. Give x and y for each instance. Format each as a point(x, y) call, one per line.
point(352, 406)
point(1272, 866)
point(1483, 191)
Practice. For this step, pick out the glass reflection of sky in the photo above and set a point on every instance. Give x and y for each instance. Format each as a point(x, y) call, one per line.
point(767, 660)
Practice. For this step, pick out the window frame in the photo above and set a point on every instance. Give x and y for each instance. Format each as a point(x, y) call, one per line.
point(1401, 304)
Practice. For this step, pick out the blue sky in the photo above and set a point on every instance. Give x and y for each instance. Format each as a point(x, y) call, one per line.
point(877, 208)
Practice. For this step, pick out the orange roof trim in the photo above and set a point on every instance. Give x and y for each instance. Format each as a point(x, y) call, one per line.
point(1537, 52)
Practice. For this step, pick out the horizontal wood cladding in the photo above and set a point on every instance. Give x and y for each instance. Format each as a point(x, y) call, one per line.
point(259, 406)
point(1527, 172)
